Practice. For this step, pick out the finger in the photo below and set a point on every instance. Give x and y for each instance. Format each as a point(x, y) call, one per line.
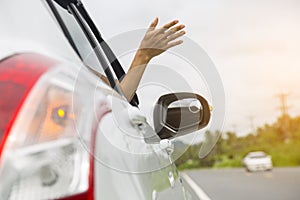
point(173, 44)
point(153, 24)
point(175, 36)
point(175, 29)
point(170, 24)
point(166, 26)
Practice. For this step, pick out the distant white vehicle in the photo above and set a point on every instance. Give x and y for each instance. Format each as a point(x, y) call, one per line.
point(257, 161)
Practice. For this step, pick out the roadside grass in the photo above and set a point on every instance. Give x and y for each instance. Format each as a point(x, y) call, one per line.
point(287, 154)
point(283, 154)
point(281, 140)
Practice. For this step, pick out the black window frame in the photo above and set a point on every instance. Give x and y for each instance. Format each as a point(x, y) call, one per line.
point(78, 11)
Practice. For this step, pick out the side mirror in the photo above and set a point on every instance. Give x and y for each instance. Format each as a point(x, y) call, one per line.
point(177, 114)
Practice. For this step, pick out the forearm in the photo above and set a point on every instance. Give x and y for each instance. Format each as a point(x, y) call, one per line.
point(134, 75)
point(155, 42)
point(131, 81)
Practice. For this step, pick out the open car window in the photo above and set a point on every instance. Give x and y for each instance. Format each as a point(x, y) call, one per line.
point(87, 42)
point(82, 39)
point(76, 37)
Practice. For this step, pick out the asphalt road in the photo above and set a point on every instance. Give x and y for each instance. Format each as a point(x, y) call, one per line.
point(237, 184)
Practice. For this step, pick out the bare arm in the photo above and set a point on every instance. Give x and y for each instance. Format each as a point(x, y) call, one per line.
point(155, 42)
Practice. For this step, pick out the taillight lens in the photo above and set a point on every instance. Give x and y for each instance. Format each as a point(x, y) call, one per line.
point(18, 74)
point(46, 153)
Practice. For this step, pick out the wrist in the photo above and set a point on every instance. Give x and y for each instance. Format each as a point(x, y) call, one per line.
point(142, 56)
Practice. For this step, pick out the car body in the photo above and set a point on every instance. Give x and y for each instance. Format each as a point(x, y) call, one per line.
point(65, 134)
point(54, 146)
point(257, 161)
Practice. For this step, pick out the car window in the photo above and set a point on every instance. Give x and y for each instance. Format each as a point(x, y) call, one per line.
point(79, 39)
point(76, 27)
point(257, 155)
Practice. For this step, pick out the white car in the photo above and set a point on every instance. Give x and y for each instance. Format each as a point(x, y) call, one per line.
point(257, 161)
point(65, 134)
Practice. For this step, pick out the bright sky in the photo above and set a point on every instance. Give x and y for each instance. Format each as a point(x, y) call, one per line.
point(255, 46)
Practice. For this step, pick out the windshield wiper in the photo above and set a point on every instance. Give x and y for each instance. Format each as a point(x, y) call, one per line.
point(76, 8)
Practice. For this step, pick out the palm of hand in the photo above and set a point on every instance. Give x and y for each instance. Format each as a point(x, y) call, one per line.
point(156, 41)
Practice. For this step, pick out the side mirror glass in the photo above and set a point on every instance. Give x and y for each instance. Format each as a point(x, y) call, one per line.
point(178, 114)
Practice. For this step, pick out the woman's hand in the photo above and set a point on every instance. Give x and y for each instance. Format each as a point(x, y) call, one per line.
point(158, 40)
point(155, 42)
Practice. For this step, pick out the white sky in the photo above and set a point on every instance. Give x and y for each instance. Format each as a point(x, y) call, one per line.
point(254, 44)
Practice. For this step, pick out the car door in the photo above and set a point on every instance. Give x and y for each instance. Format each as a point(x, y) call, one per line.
point(127, 166)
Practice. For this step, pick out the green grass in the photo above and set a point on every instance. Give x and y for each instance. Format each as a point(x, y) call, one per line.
point(279, 140)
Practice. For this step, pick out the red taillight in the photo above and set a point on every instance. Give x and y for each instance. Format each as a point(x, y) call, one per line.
point(18, 74)
point(47, 135)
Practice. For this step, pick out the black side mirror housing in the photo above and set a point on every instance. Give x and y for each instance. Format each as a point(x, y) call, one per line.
point(178, 114)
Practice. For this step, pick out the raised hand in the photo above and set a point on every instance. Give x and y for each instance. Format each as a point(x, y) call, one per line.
point(158, 40)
